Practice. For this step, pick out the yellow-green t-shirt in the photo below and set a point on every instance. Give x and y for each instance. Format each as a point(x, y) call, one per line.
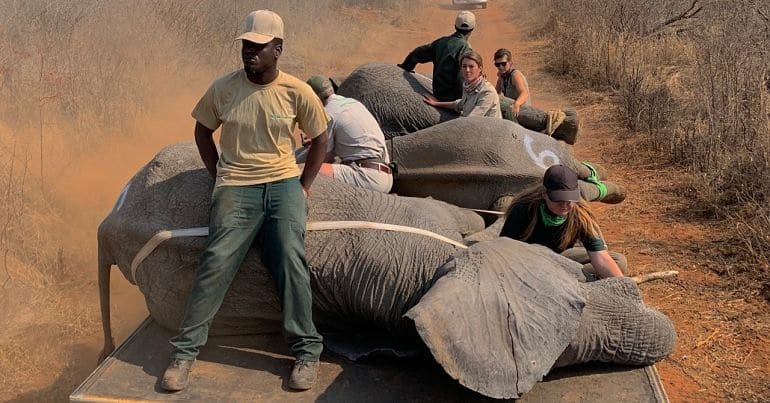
point(258, 121)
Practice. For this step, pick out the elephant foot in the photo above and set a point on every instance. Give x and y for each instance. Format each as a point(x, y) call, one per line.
point(615, 193)
point(569, 129)
point(588, 171)
point(594, 188)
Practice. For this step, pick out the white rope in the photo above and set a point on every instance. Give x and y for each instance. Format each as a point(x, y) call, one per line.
point(331, 225)
point(487, 211)
point(162, 236)
point(157, 239)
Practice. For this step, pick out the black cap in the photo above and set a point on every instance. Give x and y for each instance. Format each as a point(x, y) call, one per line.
point(561, 184)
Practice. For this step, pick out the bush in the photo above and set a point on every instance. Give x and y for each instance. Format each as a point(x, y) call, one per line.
point(693, 78)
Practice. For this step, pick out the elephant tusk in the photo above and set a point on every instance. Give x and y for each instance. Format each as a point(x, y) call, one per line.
point(654, 276)
point(165, 235)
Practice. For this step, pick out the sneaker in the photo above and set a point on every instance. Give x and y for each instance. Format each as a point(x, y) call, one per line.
point(176, 376)
point(303, 375)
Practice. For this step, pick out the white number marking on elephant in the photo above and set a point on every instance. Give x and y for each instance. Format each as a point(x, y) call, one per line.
point(539, 159)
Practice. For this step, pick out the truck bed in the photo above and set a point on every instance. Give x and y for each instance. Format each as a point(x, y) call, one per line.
point(256, 368)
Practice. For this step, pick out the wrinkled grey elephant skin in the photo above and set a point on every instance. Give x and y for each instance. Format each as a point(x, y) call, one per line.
point(603, 334)
point(395, 98)
point(500, 316)
point(173, 192)
point(488, 313)
point(474, 162)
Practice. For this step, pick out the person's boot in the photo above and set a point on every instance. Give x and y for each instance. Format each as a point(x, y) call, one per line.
point(176, 376)
point(303, 375)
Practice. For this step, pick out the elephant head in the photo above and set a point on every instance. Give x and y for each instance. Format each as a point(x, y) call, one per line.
point(497, 315)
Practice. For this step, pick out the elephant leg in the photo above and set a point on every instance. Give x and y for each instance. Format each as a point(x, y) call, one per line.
point(569, 129)
point(617, 327)
point(589, 170)
point(605, 192)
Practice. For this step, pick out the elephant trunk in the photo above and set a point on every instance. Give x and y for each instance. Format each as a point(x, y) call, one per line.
point(616, 326)
point(104, 269)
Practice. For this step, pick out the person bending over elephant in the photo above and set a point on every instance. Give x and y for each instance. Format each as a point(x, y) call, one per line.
point(511, 85)
point(555, 215)
point(354, 137)
point(445, 53)
point(479, 96)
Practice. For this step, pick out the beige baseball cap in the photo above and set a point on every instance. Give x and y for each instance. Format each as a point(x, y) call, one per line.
point(466, 20)
point(262, 26)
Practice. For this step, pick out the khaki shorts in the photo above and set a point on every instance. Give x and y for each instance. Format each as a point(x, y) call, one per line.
point(366, 178)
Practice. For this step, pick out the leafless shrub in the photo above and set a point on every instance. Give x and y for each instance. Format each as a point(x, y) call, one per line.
point(692, 77)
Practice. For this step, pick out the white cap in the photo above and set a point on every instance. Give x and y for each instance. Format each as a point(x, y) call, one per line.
point(466, 21)
point(262, 26)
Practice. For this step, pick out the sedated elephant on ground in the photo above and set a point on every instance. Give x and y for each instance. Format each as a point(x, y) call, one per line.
point(497, 315)
point(394, 97)
point(484, 163)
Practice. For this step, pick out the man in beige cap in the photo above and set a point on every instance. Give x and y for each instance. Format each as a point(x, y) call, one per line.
point(445, 54)
point(259, 194)
point(355, 137)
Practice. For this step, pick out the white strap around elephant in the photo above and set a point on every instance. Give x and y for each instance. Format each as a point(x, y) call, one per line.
point(161, 236)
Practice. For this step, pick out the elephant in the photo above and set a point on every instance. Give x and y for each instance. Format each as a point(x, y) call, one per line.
point(484, 163)
point(395, 98)
point(497, 315)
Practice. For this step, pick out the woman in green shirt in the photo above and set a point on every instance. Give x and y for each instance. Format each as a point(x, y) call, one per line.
point(556, 216)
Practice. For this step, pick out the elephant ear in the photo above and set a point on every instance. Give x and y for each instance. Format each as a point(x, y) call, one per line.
point(500, 316)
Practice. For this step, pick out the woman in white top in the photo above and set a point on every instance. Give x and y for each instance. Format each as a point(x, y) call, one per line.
point(479, 95)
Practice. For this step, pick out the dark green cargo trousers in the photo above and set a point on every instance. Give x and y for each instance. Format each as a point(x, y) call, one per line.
point(276, 212)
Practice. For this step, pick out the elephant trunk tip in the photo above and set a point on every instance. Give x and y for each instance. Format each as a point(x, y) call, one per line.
point(104, 268)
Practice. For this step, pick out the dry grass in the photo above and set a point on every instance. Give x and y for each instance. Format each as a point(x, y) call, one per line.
point(692, 79)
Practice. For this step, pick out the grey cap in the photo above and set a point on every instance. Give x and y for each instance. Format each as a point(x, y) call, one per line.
point(321, 85)
point(561, 184)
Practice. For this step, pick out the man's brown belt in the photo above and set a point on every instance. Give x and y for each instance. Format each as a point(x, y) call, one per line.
point(374, 165)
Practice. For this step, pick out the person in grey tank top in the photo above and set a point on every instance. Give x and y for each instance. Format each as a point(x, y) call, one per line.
point(511, 83)
point(355, 138)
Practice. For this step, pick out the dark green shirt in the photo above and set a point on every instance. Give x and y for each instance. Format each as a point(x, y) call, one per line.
point(445, 54)
point(518, 221)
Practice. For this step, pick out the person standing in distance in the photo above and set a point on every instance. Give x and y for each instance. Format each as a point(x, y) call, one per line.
point(445, 53)
point(259, 194)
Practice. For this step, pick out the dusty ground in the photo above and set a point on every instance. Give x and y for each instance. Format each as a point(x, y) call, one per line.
point(723, 351)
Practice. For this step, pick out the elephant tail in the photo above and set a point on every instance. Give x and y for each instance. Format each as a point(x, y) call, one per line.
point(104, 268)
